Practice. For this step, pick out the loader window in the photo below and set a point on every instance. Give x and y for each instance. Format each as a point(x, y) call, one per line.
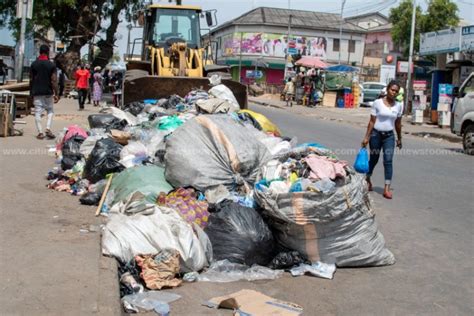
point(172, 23)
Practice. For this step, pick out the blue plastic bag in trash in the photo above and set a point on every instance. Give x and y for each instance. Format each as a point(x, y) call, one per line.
point(361, 163)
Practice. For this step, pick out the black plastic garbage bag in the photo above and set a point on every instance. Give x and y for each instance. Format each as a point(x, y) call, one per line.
point(239, 234)
point(103, 159)
point(285, 260)
point(134, 108)
point(173, 101)
point(71, 152)
point(90, 198)
point(106, 121)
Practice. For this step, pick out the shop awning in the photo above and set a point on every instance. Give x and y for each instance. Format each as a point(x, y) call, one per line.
point(312, 62)
point(342, 68)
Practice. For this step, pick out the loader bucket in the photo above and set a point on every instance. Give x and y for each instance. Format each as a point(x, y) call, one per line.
point(138, 87)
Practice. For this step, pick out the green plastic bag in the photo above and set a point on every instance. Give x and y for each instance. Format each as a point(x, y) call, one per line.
point(149, 180)
point(170, 123)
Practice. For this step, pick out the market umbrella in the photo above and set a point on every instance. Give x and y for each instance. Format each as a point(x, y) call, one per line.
point(311, 62)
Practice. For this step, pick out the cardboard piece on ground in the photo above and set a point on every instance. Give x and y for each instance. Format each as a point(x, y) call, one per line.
point(120, 137)
point(250, 302)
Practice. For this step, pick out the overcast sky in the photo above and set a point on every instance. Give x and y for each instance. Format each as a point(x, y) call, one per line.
point(229, 9)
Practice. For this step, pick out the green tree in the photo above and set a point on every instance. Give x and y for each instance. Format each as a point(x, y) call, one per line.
point(400, 17)
point(440, 14)
point(76, 23)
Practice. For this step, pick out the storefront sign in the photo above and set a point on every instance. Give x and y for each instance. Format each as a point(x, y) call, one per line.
point(257, 74)
point(419, 85)
point(443, 41)
point(467, 38)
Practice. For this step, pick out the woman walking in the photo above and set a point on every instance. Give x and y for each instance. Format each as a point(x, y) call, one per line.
point(97, 87)
point(386, 116)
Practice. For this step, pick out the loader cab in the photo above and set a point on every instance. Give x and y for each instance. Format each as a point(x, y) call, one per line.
point(166, 25)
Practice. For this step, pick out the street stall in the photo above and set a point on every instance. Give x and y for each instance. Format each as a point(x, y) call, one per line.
point(310, 82)
point(196, 190)
point(342, 86)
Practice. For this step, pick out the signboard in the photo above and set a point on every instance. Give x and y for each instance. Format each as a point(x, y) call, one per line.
point(467, 38)
point(419, 85)
point(257, 74)
point(402, 67)
point(387, 73)
point(439, 42)
point(269, 44)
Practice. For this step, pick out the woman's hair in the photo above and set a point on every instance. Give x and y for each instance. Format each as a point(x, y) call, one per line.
point(393, 83)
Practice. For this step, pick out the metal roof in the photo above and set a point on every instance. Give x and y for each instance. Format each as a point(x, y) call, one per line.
point(299, 19)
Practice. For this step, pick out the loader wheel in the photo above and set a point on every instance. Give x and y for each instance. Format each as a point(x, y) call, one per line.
point(468, 140)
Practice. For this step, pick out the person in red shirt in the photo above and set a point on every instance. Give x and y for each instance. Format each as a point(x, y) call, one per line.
point(82, 76)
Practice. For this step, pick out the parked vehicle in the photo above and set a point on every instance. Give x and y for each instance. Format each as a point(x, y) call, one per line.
point(462, 121)
point(372, 91)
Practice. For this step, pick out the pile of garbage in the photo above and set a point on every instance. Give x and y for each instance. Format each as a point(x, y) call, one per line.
point(197, 190)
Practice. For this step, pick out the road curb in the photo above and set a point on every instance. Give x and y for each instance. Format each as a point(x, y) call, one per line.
point(109, 289)
point(452, 139)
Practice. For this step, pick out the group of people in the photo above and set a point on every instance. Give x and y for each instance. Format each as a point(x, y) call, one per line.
point(312, 83)
point(89, 85)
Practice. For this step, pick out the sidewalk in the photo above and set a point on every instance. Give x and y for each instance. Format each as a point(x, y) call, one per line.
point(357, 116)
point(50, 256)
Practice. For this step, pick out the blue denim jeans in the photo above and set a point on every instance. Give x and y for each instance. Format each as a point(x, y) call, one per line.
point(384, 141)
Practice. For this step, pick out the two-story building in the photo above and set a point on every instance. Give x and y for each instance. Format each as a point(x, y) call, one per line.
point(259, 39)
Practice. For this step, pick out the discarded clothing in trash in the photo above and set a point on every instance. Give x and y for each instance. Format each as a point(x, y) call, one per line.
point(239, 234)
point(229, 154)
point(335, 227)
point(160, 270)
point(323, 167)
point(127, 236)
point(185, 202)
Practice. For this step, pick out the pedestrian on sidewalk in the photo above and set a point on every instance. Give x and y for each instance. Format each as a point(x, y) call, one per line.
point(385, 117)
point(289, 92)
point(44, 90)
point(97, 88)
point(82, 76)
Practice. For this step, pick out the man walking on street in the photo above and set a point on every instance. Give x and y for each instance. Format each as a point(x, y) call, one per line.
point(44, 90)
point(82, 84)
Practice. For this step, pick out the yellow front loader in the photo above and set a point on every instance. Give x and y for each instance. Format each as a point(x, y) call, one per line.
point(173, 60)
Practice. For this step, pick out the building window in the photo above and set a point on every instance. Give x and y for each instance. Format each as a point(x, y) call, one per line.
point(352, 46)
point(335, 45)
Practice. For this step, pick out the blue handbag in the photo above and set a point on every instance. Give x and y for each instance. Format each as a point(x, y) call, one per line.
point(361, 163)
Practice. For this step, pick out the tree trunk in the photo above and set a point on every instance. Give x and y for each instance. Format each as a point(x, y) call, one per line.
point(106, 46)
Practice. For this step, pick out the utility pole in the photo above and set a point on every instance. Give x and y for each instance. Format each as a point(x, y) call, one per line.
point(410, 57)
point(240, 57)
point(21, 48)
point(287, 45)
point(340, 29)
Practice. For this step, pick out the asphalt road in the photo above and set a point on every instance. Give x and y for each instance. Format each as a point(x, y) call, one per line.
point(428, 226)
